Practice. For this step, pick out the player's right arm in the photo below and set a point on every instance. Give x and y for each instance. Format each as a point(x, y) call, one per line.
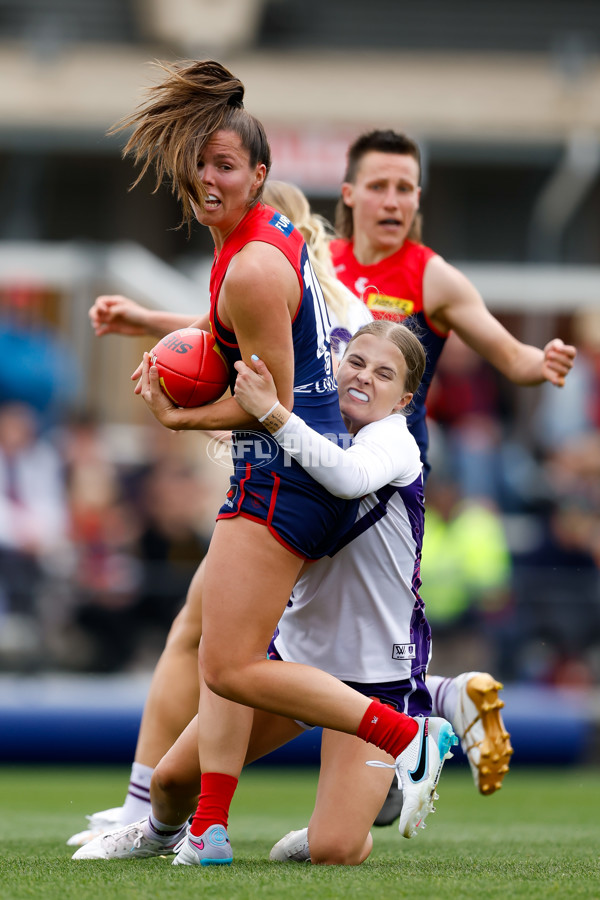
point(115, 314)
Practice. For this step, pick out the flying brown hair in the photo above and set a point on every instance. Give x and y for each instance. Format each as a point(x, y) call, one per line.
point(178, 119)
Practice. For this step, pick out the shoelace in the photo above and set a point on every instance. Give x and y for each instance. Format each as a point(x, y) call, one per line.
point(378, 764)
point(111, 840)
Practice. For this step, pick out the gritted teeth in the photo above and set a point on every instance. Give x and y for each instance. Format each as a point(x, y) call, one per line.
point(358, 395)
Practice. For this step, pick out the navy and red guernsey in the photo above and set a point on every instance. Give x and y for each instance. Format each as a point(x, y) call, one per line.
point(315, 387)
point(268, 486)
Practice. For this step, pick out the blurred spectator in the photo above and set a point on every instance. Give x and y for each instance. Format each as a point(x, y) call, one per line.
point(99, 630)
point(465, 569)
point(137, 538)
point(572, 469)
point(33, 521)
point(557, 595)
point(466, 403)
point(574, 411)
point(38, 367)
point(170, 546)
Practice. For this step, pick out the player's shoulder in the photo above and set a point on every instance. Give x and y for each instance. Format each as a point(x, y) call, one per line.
point(256, 258)
point(259, 271)
point(392, 434)
point(420, 250)
point(440, 275)
point(393, 427)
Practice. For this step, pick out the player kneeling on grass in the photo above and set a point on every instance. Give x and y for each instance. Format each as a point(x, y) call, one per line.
point(347, 614)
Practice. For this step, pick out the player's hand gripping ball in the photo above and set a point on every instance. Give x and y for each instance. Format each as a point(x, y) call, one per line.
point(191, 368)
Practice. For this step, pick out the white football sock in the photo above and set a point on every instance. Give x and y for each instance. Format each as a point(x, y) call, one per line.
point(158, 831)
point(137, 802)
point(443, 695)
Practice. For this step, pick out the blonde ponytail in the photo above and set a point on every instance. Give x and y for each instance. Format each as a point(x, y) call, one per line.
point(317, 233)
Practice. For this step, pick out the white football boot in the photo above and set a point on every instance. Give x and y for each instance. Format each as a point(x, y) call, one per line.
point(130, 842)
point(478, 722)
point(99, 823)
point(418, 769)
point(292, 848)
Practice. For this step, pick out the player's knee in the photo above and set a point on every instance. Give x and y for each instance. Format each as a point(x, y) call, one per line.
point(336, 855)
point(220, 676)
point(230, 676)
point(338, 850)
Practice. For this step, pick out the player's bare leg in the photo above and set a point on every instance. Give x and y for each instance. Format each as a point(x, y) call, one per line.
point(339, 831)
point(166, 714)
point(168, 711)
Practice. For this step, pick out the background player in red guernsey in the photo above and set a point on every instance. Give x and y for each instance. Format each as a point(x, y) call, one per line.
point(380, 258)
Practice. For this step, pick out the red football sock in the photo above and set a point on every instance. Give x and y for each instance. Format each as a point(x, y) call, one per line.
point(387, 728)
point(215, 799)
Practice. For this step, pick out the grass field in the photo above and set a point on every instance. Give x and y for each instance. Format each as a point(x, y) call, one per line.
point(538, 838)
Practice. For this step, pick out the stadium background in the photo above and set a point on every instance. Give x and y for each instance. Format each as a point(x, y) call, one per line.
point(505, 102)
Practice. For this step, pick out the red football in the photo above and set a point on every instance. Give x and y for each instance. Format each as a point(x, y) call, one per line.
point(191, 368)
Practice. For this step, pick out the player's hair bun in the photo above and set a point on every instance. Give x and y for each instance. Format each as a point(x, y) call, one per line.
point(236, 98)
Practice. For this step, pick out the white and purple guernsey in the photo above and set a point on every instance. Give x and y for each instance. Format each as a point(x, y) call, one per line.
point(357, 613)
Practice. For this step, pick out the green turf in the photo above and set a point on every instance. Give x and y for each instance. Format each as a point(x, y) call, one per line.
point(538, 838)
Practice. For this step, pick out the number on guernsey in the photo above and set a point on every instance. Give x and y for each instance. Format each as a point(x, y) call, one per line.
point(321, 315)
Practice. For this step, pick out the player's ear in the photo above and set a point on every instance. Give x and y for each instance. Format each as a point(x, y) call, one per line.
point(348, 193)
point(403, 402)
point(259, 177)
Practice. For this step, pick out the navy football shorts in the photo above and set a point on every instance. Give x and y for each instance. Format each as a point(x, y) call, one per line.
point(271, 488)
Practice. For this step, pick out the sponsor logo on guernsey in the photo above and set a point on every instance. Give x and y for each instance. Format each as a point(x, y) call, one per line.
point(404, 651)
point(282, 223)
point(338, 338)
point(384, 303)
point(323, 386)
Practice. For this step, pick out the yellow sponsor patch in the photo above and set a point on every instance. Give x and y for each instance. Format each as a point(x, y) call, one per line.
point(386, 304)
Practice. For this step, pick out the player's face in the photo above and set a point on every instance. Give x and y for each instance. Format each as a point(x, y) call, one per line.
point(230, 181)
point(384, 199)
point(371, 380)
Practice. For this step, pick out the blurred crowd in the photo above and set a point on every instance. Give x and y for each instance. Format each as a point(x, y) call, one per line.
point(95, 553)
point(98, 545)
point(511, 561)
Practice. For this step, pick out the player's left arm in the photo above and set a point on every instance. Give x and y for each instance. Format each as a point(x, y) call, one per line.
point(260, 292)
point(453, 303)
point(262, 296)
